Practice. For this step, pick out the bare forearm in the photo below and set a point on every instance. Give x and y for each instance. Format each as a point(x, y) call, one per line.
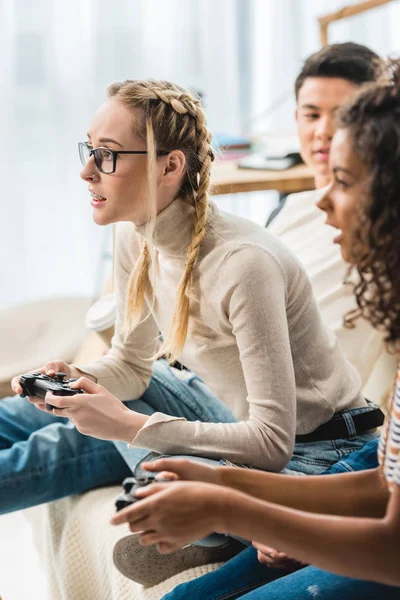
point(342, 494)
point(350, 546)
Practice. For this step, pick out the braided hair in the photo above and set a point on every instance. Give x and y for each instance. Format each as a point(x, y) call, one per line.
point(169, 119)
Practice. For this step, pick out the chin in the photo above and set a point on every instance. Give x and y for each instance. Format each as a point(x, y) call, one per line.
point(103, 220)
point(346, 255)
point(322, 169)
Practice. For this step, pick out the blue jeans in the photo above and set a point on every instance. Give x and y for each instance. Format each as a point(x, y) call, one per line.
point(44, 458)
point(244, 577)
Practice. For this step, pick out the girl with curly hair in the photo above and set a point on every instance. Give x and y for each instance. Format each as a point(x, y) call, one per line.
point(347, 526)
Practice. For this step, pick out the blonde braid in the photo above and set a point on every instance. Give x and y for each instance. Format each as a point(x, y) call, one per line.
point(139, 280)
point(177, 334)
point(142, 95)
point(137, 286)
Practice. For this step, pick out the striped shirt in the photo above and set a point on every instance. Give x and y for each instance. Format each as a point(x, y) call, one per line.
point(389, 443)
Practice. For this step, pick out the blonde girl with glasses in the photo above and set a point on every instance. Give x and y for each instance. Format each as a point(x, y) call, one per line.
point(265, 385)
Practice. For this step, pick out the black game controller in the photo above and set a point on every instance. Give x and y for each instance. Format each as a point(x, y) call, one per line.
point(37, 384)
point(131, 485)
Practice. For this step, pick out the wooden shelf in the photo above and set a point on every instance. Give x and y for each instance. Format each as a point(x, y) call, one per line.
point(227, 178)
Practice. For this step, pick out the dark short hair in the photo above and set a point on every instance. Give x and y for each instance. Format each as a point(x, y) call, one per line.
point(353, 62)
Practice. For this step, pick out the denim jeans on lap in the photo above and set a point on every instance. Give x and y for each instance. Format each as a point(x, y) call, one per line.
point(44, 458)
point(244, 577)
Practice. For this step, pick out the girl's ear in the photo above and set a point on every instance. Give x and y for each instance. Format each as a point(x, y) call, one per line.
point(174, 167)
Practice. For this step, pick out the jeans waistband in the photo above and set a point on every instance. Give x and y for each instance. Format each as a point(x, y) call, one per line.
point(346, 424)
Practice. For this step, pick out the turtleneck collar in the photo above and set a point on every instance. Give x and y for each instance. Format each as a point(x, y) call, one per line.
point(173, 228)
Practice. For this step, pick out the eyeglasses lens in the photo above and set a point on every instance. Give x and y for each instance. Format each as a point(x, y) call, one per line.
point(84, 153)
point(103, 158)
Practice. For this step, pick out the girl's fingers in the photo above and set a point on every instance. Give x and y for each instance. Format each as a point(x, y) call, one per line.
point(149, 538)
point(149, 490)
point(158, 465)
point(131, 514)
point(167, 547)
point(167, 475)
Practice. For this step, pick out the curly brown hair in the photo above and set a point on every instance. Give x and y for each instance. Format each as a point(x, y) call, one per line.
point(372, 119)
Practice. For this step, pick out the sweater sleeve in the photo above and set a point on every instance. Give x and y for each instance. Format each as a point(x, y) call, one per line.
point(254, 303)
point(127, 368)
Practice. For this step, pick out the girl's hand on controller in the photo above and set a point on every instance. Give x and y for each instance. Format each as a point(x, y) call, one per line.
point(50, 369)
point(183, 469)
point(174, 514)
point(97, 412)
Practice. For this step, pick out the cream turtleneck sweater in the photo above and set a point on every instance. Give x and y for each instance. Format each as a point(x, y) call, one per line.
point(255, 338)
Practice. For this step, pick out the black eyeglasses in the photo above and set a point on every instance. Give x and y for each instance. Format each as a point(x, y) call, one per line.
point(105, 159)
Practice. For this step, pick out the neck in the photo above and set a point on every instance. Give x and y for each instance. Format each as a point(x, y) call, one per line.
point(173, 229)
point(322, 181)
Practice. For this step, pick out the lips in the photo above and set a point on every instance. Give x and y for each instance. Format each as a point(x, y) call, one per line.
point(322, 154)
point(96, 203)
point(338, 239)
point(97, 199)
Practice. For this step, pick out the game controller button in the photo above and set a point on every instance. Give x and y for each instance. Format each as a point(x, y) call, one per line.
point(60, 376)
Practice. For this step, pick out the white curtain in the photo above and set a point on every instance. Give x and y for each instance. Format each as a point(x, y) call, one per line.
point(57, 58)
point(285, 32)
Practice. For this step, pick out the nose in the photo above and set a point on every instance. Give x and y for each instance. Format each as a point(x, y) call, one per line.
point(325, 202)
point(89, 171)
point(325, 128)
